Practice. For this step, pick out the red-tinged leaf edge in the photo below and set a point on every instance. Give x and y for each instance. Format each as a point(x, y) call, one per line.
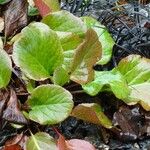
point(73, 144)
point(42, 7)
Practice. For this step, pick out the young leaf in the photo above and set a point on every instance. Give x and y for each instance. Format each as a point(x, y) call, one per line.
point(93, 113)
point(113, 79)
point(136, 71)
point(47, 6)
point(73, 144)
point(41, 141)
point(65, 21)
point(5, 68)
point(50, 104)
point(104, 37)
point(60, 76)
point(38, 52)
point(69, 41)
point(86, 55)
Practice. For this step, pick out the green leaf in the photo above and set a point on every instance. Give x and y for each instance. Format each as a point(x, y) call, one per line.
point(53, 4)
point(69, 41)
point(5, 68)
point(38, 51)
point(93, 113)
point(41, 141)
point(110, 79)
point(104, 37)
point(86, 55)
point(4, 1)
point(136, 71)
point(32, 11)
point(50, 104)
point(130, 81)
point(61, 76)
point(65, 21)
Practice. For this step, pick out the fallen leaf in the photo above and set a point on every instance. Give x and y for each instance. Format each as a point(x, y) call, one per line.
point(12, 112)
point(14, 140)
point(13, 147)
point(15, 16)
point(19, 141)
point(127, 120)
point(73, 144)
point(1, 24)
point(4, 96)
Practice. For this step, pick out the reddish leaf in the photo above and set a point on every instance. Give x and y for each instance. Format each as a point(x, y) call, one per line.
point(74, 144)
point(18, 142)
point(14, 140)
point(61, 143)
point(42, 7)
point(12, 113)
point(46, 6)
point(13, 147)
point(15, 16)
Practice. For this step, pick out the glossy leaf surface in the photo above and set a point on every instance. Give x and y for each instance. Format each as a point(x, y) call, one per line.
point(50, 104)
point(38, 52)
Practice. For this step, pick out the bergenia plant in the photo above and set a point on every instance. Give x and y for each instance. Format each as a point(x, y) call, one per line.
point(59, 49)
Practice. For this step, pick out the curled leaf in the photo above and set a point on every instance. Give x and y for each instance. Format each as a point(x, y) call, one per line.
point(86, 55)
point(104, 37)
point(136, 71)
point(112, 80)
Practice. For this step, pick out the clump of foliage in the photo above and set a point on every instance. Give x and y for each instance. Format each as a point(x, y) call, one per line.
point(64, 48)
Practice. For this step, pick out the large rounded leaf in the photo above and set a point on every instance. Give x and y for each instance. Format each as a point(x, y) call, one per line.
point(38, 51)
point(64, 21)
point(50, 104)
point(41, 141)
point(5, 68)
point(104, 37)
point(136, 71)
